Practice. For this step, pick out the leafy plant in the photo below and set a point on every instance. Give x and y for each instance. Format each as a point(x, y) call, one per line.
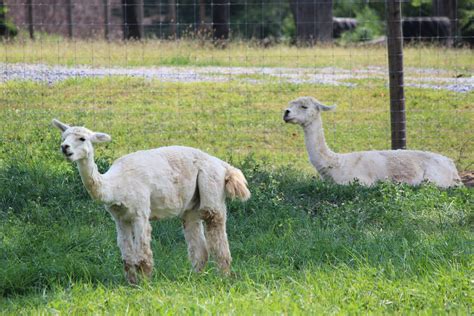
point(368, 27)
point(466, 20)
point(7, 28)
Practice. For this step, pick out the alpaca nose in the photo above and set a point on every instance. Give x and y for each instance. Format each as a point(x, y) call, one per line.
point(64, 148)
point(287, 112)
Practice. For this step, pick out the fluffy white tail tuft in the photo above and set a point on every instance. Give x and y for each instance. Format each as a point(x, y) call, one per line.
point(236, 184)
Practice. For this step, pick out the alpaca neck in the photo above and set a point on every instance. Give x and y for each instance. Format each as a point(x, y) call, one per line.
point(322, 158)
point(91, 178)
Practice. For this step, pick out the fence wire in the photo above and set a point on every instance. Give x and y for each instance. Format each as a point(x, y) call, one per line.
point(217, 74)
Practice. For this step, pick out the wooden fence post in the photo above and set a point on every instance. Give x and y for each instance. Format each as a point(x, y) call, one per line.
point(395, 69)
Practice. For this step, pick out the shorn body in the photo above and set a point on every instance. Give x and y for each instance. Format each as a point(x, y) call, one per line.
point(170, 180)
point(367, 167)
point(402, 166)
point(155, 184)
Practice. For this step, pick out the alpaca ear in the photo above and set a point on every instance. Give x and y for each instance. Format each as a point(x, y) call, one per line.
point(320, 106)
point(100, 138)
point(327, 107)
point(61, 126)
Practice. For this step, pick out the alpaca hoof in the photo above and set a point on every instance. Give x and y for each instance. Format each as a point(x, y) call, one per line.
point(130, 273)
point(145, 268)
point(132, 279)
point(225, 268)
point(199, 266)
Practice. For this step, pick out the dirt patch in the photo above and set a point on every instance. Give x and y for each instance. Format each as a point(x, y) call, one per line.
point(416, 77)
point(467, 177)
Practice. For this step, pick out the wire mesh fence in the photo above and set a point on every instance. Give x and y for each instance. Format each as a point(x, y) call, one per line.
point(217, 74)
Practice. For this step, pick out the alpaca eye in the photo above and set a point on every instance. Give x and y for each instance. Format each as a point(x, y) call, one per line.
point(82, 139)
point(304, 107)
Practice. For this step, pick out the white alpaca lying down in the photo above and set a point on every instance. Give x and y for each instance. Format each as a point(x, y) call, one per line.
point(368, 167)
point(155, 184)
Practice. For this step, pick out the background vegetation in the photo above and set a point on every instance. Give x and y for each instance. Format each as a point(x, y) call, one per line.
point(256, 19)
point(259, 19)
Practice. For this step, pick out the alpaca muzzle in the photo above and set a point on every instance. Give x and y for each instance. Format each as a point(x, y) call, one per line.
point(64, 149)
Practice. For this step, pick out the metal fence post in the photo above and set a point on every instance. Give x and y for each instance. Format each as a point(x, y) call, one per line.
point(395, 69)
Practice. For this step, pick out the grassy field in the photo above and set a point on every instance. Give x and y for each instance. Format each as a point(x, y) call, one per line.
point(299, 245)
point(229, 119)
point(57, 50)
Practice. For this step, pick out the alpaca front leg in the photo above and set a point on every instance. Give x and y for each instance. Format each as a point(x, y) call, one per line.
point(217, 238)
point(197, 247)
point(125, 243)
point(142, 240)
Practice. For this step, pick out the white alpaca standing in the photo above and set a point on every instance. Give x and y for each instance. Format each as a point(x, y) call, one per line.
point(406, 166)
point(159, 183)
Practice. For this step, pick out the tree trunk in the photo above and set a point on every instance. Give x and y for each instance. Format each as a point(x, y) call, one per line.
point(132, 19)
point(172, 18)
point(447, 8)
point(220, 19)
point(313, 19)
point(70, 27)
point(106, 19)
point(29, 13)
point(202, 14)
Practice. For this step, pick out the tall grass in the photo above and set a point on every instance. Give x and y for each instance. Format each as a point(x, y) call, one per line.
point(57, 50)
point(229, 119)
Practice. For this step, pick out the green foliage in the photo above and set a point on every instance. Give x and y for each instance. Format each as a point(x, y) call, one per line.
point(368, 27)
point(7, 27)
point(289, 27)
point(466, 20)
point(417, 8)
point(347, 8)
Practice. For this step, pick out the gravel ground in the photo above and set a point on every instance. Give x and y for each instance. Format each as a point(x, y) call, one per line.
point(414, 77)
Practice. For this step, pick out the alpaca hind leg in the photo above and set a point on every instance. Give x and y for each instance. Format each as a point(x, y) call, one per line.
point(196, 241)
point(217, 238)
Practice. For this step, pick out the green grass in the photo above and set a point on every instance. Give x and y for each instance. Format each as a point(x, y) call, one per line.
point(56, 50)
point(299, 245)
point(229, 119)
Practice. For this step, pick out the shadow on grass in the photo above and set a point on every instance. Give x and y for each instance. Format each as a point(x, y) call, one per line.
point(52, 233)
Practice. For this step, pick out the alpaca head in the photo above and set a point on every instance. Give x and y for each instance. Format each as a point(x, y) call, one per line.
point(77, 141)
point(304, 110)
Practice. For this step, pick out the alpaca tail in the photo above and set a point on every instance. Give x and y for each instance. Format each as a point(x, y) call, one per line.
point(236, 184)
